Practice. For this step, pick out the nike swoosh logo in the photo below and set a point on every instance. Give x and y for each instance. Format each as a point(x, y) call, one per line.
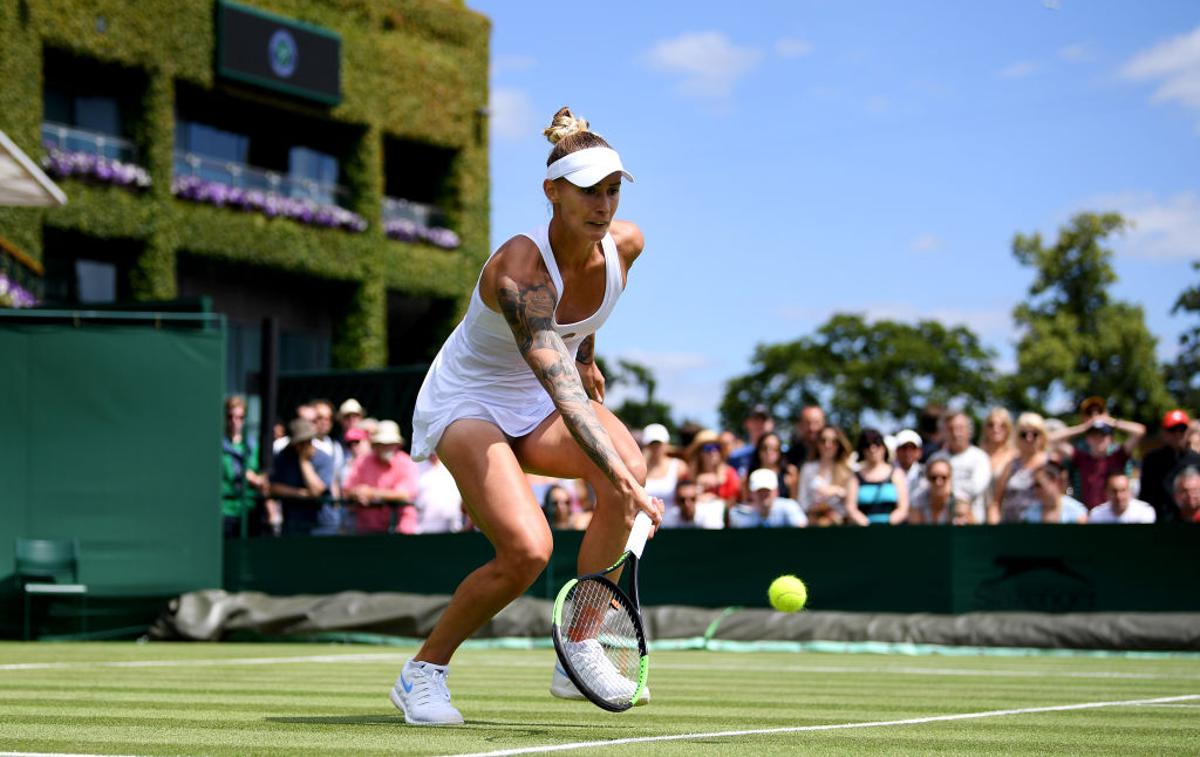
point(558, 668)
point(407, 686)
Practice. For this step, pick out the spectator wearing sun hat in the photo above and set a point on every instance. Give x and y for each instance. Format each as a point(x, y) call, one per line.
point(662, 470)
point(300, 475)
point(1162, 465)
point(765, 508)
point(1100, 458)
point(908, 460)
point(713, 476)
point(384, 484)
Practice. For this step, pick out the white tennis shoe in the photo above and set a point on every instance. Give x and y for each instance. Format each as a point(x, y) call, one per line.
point(422, 695)
point(588, 657)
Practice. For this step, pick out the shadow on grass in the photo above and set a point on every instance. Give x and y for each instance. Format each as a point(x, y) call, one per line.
point(521, 728)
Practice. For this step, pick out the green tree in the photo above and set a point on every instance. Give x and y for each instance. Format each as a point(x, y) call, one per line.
point(1074, 339)
point(852, 367)
point(1183, 375)
point(634, 412)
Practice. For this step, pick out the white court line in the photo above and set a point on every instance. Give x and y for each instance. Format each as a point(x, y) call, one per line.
point(828, 727)
point(219, 661)
point(916, 670)
point(58, 754)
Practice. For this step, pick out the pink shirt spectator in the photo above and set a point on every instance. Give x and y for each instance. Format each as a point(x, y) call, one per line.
point(398, 475)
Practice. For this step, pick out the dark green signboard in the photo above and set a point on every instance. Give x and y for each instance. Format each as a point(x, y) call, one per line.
point(278, 53)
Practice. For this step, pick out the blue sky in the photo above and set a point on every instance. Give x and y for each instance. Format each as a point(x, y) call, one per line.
point(796, 159)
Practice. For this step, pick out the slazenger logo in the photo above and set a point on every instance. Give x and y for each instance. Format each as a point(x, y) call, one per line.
point(283, 53)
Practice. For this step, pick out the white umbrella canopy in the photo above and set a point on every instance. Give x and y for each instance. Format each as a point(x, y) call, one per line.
point(22, 182)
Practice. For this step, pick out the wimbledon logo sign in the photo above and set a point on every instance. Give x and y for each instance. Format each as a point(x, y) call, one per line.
point(283, 53)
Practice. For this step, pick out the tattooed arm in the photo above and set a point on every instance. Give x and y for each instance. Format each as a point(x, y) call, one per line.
point(589, 372)
point(529, 309)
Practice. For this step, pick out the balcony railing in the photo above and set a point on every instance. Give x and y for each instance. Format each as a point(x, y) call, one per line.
point(423, 215)
point(71, 139)
point(242, 176)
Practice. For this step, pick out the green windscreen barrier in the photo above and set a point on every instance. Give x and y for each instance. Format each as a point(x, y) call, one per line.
point(110, 434)
point(913, 569)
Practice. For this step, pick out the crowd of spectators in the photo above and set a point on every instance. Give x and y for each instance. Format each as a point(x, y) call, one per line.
point(333, 473)
point(347, 473)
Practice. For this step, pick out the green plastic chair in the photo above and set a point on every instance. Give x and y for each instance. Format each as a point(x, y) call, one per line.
point(49, 568)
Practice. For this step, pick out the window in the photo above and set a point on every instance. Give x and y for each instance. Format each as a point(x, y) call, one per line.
point(211, 142)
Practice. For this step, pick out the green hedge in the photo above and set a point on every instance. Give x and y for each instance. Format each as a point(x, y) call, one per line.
point(411, 69)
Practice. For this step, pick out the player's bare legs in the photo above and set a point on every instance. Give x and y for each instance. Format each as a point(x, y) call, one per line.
point(502, 506)
point(551, 450)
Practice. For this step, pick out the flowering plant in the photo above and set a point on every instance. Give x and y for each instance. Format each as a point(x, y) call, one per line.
point(272, 205)
point(405, 230)
point(14, 295)
point(63, 164)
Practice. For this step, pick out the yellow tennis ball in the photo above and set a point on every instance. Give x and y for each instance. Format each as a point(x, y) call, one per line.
point(788, 594)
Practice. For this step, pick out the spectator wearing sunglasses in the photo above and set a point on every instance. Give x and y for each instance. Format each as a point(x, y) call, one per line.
point(689, 512)
point(823, 481)
point(878, 493)
point(1161, 466)
point(715, 478)
point(935, 503)
point(1099, 459)
point(1014, 489)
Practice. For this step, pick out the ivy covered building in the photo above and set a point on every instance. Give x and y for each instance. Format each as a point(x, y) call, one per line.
point(320, 161)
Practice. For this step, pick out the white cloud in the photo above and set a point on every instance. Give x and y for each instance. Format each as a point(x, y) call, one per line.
point(707, 62)
point(1174, 66)
point(926, 243)
point(1167, 229)
point(790, 47)
point(1076, 53)
point(504, 64)
point(511, 114)
point(1019, 70)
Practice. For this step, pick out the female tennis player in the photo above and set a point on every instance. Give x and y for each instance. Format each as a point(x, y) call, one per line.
point(515, 388)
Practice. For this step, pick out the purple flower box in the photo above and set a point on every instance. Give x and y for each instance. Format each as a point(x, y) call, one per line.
point(404, 230)
point(14, 294)
point(70, 164)
point(271, 205)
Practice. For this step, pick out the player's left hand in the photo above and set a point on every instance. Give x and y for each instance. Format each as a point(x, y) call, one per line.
point(593, 380)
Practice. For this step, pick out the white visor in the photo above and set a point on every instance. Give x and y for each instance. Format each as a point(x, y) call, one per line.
point(588, 167)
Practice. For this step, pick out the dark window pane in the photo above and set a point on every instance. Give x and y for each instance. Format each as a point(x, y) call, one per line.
point(98, 114)
point(96, 280)
point(57, 106)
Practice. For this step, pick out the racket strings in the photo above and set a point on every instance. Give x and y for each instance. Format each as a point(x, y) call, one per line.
point(602, 637)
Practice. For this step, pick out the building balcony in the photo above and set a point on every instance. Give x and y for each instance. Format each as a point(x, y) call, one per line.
point(250, 179)
point(408, 221)
point(421, 214)
point(70, 139)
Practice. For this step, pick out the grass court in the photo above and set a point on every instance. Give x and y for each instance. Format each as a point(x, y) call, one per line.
point(298, 699)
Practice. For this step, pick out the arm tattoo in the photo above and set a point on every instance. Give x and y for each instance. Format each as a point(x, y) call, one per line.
point(586, 353)
point(529, 310)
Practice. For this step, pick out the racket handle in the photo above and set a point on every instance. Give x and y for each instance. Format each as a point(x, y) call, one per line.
point(638, 534)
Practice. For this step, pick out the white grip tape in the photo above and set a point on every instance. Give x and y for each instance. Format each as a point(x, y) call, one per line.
point(638, 534)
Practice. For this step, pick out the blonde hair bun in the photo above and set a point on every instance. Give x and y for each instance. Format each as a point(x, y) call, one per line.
point(563, 125)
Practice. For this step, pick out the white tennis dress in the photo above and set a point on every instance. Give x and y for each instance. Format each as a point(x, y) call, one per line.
point(480, 373)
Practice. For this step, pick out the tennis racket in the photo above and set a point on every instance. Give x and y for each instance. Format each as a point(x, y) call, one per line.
point(598, 633)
